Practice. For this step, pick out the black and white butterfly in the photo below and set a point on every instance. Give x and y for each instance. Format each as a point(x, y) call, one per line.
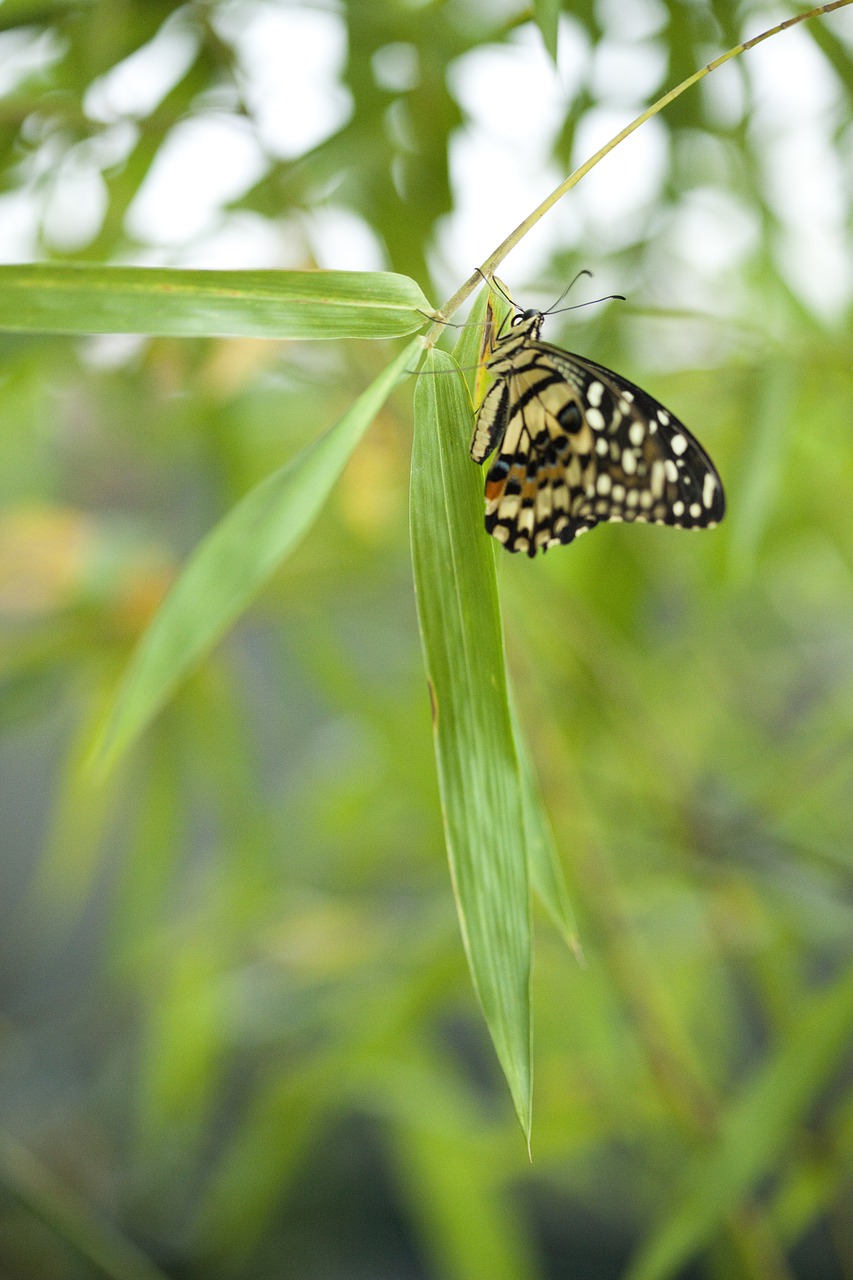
point(579, 444)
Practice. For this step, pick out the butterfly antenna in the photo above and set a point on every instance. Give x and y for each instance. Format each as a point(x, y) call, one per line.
point(556, 309)
point(498, 287)
point(611, 297)
point(553, 310)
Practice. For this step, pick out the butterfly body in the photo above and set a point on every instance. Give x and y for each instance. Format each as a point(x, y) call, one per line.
point(579, 445)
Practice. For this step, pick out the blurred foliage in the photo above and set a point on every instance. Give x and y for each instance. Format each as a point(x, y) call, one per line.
point(238, 1036)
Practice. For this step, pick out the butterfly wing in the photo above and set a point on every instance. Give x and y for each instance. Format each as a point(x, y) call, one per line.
point(545, 460)
point(674, 478)
point(578, 445)
point(492, 420)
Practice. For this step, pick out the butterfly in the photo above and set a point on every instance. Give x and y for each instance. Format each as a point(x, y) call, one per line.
point(578, 444)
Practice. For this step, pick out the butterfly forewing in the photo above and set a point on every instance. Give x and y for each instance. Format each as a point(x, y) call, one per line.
point(578, 445)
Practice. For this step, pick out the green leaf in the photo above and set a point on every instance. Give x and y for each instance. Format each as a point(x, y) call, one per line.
point(543, 860)
point(475, 751)
point(755, 1132)
point(489, 313)
point(232, 564)
point(48, 298)
point(547, 14)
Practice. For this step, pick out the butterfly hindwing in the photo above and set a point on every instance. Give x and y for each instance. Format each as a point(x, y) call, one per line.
point(491, 421)
point(578, 445)
point(545, 460)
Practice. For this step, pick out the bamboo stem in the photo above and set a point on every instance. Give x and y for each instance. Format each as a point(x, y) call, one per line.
point(494, 259)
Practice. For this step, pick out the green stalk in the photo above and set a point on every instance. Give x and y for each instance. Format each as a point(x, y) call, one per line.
point(494, 260)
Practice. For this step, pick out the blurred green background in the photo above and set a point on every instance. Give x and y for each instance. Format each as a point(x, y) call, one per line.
point(237, 1033)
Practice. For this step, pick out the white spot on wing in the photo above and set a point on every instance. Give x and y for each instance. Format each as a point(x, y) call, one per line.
point(658, 478)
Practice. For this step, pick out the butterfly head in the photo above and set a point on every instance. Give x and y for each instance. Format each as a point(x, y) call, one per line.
point(528, 323)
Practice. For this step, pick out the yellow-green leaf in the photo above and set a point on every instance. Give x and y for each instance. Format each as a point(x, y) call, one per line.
point(234, 561)
point(475, 751)
point(68, 298)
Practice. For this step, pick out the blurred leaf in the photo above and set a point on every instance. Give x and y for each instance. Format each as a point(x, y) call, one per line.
point(149, 874)
point(837, 54)
point(181, 1048)
point(260, 304)
point(819, 1175)
point(475, 753)
point(546, 872)
point(763, 466)
point(471, 1228)
point(125, 180)
point(233, 563)
point(357, 1030)
point(80, 819)
point(755, 1131)
point(15, 12)
point(93, 1238)
point(245, 1190)
point(548, 19)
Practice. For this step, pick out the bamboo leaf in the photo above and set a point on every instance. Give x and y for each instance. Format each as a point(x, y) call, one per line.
point(232, 564)
point(77, 298)
point(488, 315)
point(475, 752)
point(543, 860)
